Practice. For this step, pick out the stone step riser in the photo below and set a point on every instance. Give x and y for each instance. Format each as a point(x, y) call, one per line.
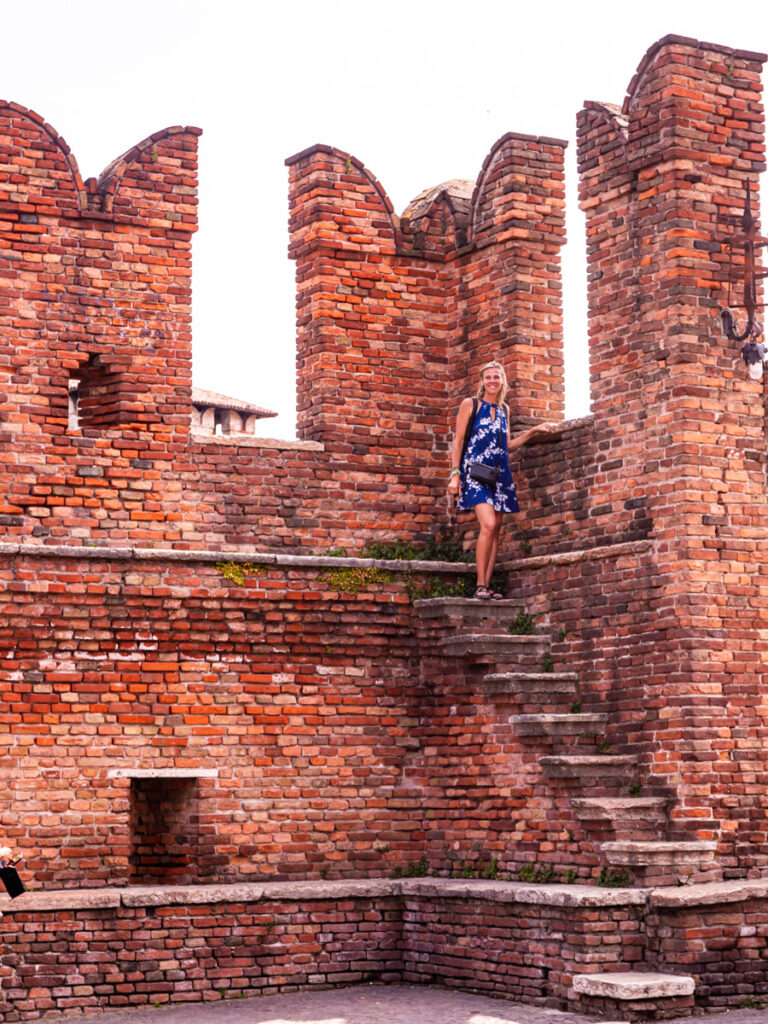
point(536, 688)
point(459, 615)
point(552, 727)
point(674, 862)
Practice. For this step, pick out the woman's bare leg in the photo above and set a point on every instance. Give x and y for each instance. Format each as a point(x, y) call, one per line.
point(489, 522)
point(494, 548)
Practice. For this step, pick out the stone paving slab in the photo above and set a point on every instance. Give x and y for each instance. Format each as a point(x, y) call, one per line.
point(368, 1004)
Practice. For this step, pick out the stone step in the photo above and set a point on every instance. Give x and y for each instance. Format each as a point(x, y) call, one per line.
point(632, 985)
point(604, 807)
point(486, 647)
point(445, 614)
point(557, 725)
point(615, 768)
point(658, 852)
point(531, 684)
point(665, 862)
point(635, 818)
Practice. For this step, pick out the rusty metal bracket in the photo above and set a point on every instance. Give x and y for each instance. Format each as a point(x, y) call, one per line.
point(748, 240)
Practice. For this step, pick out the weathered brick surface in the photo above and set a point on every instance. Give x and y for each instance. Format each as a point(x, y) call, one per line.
point(95, 286)
point(530, 952)
point(331, 734)
point(138, 946)
point(136, 956)
point(302, 700)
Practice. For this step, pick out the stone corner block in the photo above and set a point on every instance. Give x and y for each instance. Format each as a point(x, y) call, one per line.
point(627, 985)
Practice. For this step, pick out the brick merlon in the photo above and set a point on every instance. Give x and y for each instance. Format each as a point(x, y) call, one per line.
point(674, 40)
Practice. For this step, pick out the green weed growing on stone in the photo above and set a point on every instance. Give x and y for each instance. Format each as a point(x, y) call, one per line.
point(353, 579)
point(464, 869)
point(523, 624)
point(614, 878)
point(236, 572)
point(437, 586)
point(547, 664)
point(492, 870)
point(437, 549)
point(536, 874)
point(576, 706)
point(569, 877)
point(413, 869)
point(634, 789)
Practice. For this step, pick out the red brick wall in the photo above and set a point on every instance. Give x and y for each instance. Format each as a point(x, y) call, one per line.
point(130, 956)
point(673, 404)
point(134, 947)
point(394, 316)
point(302, 698)
point(96, 286)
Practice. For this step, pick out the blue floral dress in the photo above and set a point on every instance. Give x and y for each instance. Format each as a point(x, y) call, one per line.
point(488, 444)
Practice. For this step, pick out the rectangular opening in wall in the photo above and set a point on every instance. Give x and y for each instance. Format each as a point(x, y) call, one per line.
point(165, 830)
point(73, 416)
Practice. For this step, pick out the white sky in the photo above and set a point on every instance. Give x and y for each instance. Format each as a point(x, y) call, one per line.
point(419, 90)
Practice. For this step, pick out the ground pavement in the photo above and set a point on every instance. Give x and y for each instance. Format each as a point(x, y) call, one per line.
point(366, 1004)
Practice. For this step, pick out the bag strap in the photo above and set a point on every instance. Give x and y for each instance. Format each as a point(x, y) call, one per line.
point(468, 431)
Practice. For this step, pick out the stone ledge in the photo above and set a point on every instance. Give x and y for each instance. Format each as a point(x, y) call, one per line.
point(266, 558)
point(520, 892)
point(442, 888)
point(254, 892)
point(633, 853)
point(496, 639)
point(634, 985)
point(248, 441)
point(60, 899)
point(634, 547)
point(709, 893)
point(182, 895)
point(163, 773)
point(343, 889)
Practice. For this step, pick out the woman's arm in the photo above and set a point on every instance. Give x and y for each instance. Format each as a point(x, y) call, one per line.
point(465, 411)
point(540, 430)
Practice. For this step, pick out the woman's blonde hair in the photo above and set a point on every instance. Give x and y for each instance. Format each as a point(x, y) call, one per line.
point(493, 365)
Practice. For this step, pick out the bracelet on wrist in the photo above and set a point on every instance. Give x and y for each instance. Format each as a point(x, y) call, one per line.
point(455, 472)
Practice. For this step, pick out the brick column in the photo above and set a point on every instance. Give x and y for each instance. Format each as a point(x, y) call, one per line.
point(675, 406)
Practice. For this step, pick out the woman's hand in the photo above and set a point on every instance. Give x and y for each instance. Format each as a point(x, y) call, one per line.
point(544, 430)
point(532, 433)
point(454, 484)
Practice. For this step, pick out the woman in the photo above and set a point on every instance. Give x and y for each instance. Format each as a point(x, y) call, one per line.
point(489, 445)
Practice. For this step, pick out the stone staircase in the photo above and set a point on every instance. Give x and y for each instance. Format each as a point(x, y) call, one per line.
point(626, 831)
point(630, 832)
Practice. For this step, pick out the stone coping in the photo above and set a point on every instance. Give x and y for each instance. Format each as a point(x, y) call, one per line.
point(265, 558)
point(710, 893)
point(371, 888)
point(476, 889)
point(249, 441)
point(163, 773)
point(289, 561)
point(633, 547)
point(521, 892)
